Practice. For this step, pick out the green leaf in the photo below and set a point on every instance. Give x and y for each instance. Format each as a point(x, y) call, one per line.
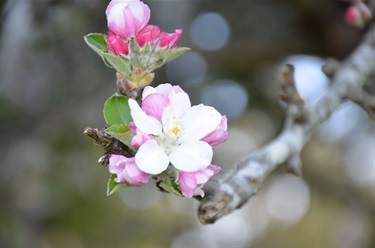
point(170, 185)
point(121, 64)
point(117, 110)
point(117, 128)
point(97, 42)
point(113, 187)
point(122, 133)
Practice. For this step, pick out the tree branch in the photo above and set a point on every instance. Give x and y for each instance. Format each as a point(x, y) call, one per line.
point(229, 195)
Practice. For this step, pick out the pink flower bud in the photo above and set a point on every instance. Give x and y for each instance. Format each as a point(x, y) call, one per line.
point(127, 171)
point(127, 17)
point(358, 14)
point(170, 39)
point(148, 34)
point(219, 135)
point(117, 45)
point(191, 183)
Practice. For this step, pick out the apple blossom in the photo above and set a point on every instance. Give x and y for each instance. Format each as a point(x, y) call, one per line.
point(127, 171)
point(127, 17)
point(169, 130)
point(117, 45)
point(191, 183)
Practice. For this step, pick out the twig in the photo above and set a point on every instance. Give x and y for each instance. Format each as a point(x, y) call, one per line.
point(246, 181)
point(110, 144)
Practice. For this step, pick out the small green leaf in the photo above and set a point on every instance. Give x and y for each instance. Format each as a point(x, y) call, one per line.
point(121, 64)
point(122, 133)
point(170, 185)
point(97, 42)
point(117, 110)
point(113, 187)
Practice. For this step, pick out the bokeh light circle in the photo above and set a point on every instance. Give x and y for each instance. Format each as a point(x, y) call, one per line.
point(210, 31)
point(231, 231)
point(287, 199)
point(227, 96)
point(360, 161)
point(334, 129)
point(310, 80)
point(187, 70)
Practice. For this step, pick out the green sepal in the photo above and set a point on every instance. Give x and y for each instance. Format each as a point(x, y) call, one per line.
point(134, 53)
point(120, 63)
point(146, 50)
point(174, 53)
point(117, 111)
point(165, 55)
point(169, 185)
point(113, 187)
point(122, 133)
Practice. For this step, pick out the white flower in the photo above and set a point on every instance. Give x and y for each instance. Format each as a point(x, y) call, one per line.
point(176, 129)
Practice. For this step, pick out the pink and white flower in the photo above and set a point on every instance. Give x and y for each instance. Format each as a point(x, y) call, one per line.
point(169, 130)
point(127, 171)
point(127, 17)
point(191, 183)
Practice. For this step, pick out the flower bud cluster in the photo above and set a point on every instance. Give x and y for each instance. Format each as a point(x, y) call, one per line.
point(142, 46)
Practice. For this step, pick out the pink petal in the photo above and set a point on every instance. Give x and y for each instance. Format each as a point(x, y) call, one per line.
point(154, 105)
point(219, 135)
point(115, 165)
point(132, 127)
point(148, 34)
point(170, 39)
point(141, 138)
point(127, 17)
point(138, 177)
point(116, 45)
point(216, 169)
point(187, 183)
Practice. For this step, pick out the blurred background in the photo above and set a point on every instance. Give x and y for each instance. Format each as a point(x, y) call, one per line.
point(53, 191)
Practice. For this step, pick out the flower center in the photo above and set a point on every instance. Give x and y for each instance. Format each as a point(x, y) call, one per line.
point(172, 129)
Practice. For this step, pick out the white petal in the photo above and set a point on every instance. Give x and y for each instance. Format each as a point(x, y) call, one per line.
point(164, 89)
point(191, 156)
point(198, 122)
point(147, 91)
point(177, 107)
point(147, 124)
point(151, 158)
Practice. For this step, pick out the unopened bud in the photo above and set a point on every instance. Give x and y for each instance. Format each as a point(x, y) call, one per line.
point(358, 15)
